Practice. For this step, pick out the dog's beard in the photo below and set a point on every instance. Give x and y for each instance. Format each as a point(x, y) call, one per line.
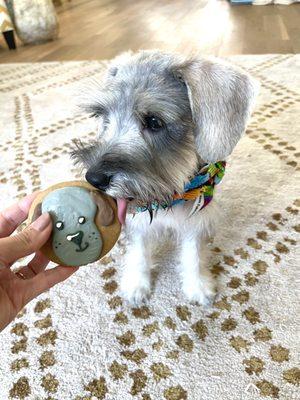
point(143, 176)
point(130, 196)
point(133, 188)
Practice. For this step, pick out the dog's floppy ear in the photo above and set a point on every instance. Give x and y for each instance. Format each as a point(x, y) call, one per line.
point(221, 99)
point(105, 213)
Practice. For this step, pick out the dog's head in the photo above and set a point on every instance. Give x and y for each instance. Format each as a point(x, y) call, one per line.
point(160, 116)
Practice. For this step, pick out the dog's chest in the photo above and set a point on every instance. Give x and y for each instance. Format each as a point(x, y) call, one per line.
point(178, 218)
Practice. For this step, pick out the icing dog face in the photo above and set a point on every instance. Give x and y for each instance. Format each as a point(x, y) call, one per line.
point(77, 213)
point(76, 239)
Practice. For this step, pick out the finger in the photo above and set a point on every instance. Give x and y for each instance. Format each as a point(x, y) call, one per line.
point(35, 266)
point(38, 263)
point(13, 216)
point(26, 242)
point(45, 280)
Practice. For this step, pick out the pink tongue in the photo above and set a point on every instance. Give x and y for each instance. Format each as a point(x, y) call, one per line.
point(122, 208)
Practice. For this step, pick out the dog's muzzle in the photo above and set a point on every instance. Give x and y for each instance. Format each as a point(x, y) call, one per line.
point(76, 238)
point(98, 180)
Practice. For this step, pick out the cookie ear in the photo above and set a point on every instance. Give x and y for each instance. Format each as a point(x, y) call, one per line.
point(37, 212)
point(105, 213)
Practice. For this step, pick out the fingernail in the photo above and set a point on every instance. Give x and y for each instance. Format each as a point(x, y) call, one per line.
point(42, 222)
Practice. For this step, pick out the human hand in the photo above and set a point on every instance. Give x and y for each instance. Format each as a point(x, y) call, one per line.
point(17, 289)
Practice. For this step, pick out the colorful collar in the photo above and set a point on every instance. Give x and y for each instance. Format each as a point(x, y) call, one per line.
point(200, 189)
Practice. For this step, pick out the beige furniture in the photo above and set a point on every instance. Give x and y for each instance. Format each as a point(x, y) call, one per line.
point(35, 21)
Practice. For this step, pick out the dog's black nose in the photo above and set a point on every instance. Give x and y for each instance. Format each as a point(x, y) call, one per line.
point(99, 181)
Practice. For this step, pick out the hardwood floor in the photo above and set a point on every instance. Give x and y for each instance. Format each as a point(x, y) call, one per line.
point(100, 29)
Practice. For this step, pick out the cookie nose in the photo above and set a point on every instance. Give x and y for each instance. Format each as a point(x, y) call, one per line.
point(76, 238)
point(99, 181)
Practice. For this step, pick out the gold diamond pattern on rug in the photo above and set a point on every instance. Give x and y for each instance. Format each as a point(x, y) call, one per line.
point(82, 341)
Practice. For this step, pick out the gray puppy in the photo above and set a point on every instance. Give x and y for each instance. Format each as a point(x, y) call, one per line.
point(162, 118)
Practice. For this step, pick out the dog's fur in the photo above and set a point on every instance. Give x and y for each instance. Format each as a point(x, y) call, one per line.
point(205, 105)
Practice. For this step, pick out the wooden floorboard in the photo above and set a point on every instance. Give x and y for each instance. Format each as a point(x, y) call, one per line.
point(100, 29)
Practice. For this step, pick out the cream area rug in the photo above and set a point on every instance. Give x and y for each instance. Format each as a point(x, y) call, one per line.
point(81, 341)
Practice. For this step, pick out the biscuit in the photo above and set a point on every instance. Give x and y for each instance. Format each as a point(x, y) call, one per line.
point(85, 222)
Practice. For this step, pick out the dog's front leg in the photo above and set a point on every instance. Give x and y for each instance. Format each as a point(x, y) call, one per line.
point(197, 282)
point(135, 282)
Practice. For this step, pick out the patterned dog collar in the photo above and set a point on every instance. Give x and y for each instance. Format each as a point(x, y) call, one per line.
point(200, 189)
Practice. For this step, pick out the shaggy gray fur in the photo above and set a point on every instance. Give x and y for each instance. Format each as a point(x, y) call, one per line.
point(204, 106)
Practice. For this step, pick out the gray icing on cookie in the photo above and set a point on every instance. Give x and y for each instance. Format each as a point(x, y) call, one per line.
point(75, 239)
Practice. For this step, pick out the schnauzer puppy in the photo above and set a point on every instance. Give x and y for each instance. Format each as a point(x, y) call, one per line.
point(164, 123)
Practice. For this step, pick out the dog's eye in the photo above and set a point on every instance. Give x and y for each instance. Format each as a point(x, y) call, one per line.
point(153, 123)
point(59, 225)
point(81, 220)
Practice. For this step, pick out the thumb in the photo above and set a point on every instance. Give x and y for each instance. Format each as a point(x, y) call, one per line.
point(26, 242)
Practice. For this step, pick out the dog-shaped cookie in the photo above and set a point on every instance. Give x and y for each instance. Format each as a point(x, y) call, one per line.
point(85, 223)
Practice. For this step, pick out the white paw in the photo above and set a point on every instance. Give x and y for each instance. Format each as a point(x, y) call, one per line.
point(136, 291)
point(200, 290)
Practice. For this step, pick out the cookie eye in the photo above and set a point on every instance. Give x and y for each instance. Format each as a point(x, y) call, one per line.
point(81, 220)
point(59, 225)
